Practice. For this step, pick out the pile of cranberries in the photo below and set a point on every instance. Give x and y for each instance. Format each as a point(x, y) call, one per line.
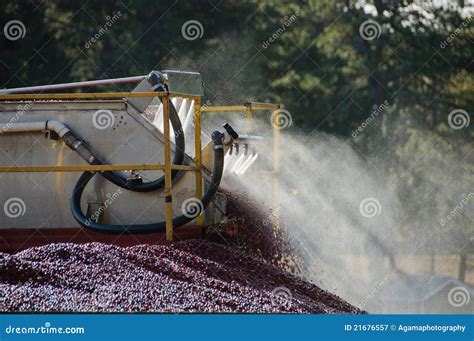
point(189, 276)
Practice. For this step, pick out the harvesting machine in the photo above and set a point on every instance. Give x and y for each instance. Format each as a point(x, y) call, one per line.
point(119, 167)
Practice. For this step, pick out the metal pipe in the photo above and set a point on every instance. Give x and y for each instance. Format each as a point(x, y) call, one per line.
point(41, 88)
point(58, 127)
point(22, 127)
point(247, 139)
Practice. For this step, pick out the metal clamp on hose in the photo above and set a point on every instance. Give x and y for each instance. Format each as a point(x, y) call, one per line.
point(158, 81)
point(79, 147)
point(218, 139)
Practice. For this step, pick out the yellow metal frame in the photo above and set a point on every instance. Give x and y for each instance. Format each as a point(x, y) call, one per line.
point(101, 95)
point(248, 109)
point(198, 154)
point(168, 180)
point(90, 168)
point(167, 167)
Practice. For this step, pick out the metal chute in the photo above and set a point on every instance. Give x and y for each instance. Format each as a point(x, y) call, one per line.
point(239, 156)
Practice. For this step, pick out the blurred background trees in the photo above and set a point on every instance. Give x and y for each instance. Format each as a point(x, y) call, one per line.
point(313, 56)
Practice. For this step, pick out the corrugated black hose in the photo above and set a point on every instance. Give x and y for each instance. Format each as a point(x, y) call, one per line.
point(180, 145)
point(218, 167)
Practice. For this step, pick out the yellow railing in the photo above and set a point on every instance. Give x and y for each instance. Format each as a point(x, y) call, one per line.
point(167, 167)
point(100, 95)
point(90, 168)
point(198, 154)
point(248, 109)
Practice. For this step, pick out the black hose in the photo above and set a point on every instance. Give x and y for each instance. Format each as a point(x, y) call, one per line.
point(117, 179)
point(158, 83)
point(218, 167)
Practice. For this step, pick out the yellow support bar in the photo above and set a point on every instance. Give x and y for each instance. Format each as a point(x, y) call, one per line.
point(252, 105)
point(198, 156)
point(263, 106)
point(276, 169)
point(101, 95)
point(249, 116)
point(167, 146)
point(90, 168)
point(218, 108)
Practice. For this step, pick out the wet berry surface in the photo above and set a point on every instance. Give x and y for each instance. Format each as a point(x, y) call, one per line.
point(189, 276)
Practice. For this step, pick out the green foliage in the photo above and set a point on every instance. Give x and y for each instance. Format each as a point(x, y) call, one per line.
point(308, 55)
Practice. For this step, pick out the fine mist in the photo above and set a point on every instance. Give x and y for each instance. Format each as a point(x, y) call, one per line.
point(344, 216)
point(360, 217)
